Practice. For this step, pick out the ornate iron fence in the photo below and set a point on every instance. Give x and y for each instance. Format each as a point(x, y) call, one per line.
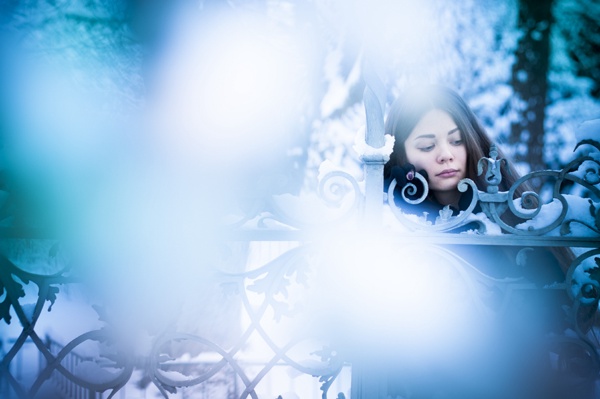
point(346, 285)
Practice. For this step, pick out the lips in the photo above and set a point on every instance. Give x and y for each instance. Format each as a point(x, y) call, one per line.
point(448, 173)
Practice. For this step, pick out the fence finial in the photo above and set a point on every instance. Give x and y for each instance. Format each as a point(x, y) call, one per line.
point(493, 175)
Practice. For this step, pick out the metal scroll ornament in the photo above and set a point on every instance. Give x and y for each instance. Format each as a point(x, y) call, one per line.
point(532, 205)
point(444, 222)
point(493, 174)
point(497, 205)
point(338, 198)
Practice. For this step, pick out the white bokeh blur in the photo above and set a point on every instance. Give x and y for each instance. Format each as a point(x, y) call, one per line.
point(228, 89)
point(415, 300)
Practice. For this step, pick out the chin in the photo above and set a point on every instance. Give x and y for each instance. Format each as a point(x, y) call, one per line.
point(447, 186)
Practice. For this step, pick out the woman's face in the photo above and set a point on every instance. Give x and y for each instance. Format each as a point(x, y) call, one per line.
point(436, 145)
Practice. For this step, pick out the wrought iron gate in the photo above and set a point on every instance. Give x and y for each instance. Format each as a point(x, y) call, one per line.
point(345, 282)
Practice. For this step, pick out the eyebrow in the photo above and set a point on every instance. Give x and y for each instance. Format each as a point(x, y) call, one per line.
point(432, 136)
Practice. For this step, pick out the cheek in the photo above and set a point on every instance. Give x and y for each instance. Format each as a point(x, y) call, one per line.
point(411, 157)
point(420, 160)
point(463, 157)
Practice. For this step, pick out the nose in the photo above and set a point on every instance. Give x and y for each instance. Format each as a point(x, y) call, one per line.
point(445, 154)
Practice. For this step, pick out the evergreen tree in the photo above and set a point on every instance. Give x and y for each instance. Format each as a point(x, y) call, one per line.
point(573, 78)
point(530, 81)
point(579, 22)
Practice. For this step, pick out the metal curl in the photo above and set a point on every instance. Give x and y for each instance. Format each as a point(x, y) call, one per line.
point(13, 290)
point(565, 357)
point(333, 192)
point(594, 189)
point(118, 381)
point(591, 175)
point(565, 228)
point(591, 142)
point(589, 293)
point(268, 280)
point(411, 189)
point(596, 177)
point(566, 174)
point(463, 185)
point(330, 190)
point(451, 223)
point(163, 381)
point(528, 199)
point(531, 201)
point(569, 278)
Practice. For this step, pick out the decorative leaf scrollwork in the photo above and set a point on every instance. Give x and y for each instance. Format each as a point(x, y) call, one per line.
point(577, 363)
point(565, 228)
point(444, 222)
point(584, 291)
point(275, 278)
point(332, 357)
point(11, 288)
point(590, 290)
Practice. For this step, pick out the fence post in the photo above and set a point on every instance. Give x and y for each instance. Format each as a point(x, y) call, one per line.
point(369, 378)
point(374, 102)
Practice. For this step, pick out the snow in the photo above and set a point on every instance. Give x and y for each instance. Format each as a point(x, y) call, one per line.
point(589, 171)
point(28, 309)
point(175, 375)
point(392, 223)
point(580, 220)
point(589, 129)
point(517, 203)
point(581, 276)
point(58, 323)
point(265, 220)
point(326, 167)
point(491, 228)
point(339, 88)
point(578, 210)
point(308, 208)
point(92, 372)
point(366, 151)
point(33, 256)
point(203, 357)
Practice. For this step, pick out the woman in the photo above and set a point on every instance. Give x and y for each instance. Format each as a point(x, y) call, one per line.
point(437, 134)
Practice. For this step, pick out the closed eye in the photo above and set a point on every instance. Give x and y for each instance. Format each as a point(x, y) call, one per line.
point(457, 142)
point(427, 148)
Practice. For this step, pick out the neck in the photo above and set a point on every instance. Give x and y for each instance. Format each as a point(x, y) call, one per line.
point(447, 197)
